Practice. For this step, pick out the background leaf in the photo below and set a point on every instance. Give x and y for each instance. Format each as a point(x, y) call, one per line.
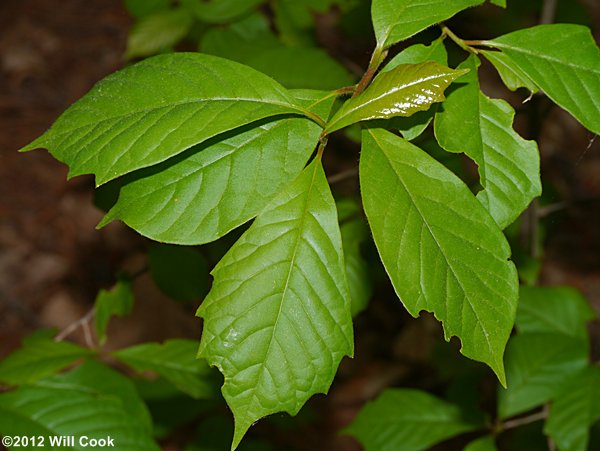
point(407, 420)
point(441, 249)
point(115, 302)
point(153, 110)
point(203, 194)
point(277, 319)
point(220, 11)
point(509, 166)
point(139, 8)
point(402, 91)
point(396, 20)
point(486, 443)
point(569, 74)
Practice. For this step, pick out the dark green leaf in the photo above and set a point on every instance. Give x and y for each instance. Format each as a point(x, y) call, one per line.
point(486, 443)
point(139, 8)
point(220, 11)
point(407, 420)
point(115, 302)
point(402, 91)
point(441, 249)
point(354, 233)
point(153, 110)
point(277, 319)
point(509, 166)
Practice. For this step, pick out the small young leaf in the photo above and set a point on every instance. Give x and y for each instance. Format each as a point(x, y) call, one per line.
point(396, 20)
point(158, 32)
point(91, 401)
point(176, 361)
point(39, 357)
point(115, 302)
point(441, 249)
point(513, 77)
point(402, 91)
point(553, 309)
point(509, 166)
point(205, 193)
point(407, 420)
point(277, 319)
point(574, 410)
point(564, 61)
point(536, 367)
point(153, 110)
point(486, 443)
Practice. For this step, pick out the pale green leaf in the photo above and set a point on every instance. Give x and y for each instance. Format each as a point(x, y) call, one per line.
point(396, 20)
point(509, 166)
point(564, 61)
point(158, 32)
point(203, 194)
point(277, 319)
point(176, 361)
point(486, 443)
point(574, 410)
point(115, 302)
point(537, 364)
point(39, 357)
point(513, 77)
point(220, 11)
point(553, 309)
point(91, 401)
point(441, 249)
point(402, 91)
point(407, 420)
point(155, 109)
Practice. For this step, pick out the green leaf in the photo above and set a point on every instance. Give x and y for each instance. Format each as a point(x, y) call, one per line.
point(158, 32)
point(180, 272)
point(407, 420)
point(203, 194)
point(176, 361)
point(574, 410)
point(277, 319)
point(115, 302)
point(509, 166)
point(220, 11)
point(153, 110)
point(441, 249)
point(402, 91)
point(536, 367)
point(501, 3)
point(564, 61)
point(397, 20)
point(513, 77)
point(553, 309)
point(354, 233)
point(486, 443)
point(139, 8)
point(39, 357)
point(91, 401)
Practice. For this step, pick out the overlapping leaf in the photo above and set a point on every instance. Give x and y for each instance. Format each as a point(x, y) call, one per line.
point(201, 195)
point(153, 110)
point(441, 249)
point(513, 77)
point(407, 420)
point(402, 91)
point(564, 61)
point(115, 302)
point(509, 166)
point(277, 319)
point(396, 20)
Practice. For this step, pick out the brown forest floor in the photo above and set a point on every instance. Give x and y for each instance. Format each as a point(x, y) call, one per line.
point(53, 261)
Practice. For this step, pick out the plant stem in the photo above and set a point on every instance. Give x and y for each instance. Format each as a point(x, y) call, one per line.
point(460, 42)
point(511, 424)
point(322, 144)
point(377, 58)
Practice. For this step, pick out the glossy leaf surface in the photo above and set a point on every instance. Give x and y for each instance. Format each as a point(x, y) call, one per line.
point(153, 110)
point(407, 420)
point(115, 302)
point(402, 91)
point(441, 249)
point(509, 166)
point(176, 361)
point(201, 195)
point(396, 20)
point(564, 61)
point(536, 367)
point(513, 77)
point(277, 319)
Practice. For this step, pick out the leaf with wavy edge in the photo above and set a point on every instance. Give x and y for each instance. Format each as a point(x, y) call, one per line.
point(153, 110)
point(402, 91)
point(509, 166)
point(277, 319)
point(442, 250)
point(203, 194)
point(564, 61)
point(396, 20)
